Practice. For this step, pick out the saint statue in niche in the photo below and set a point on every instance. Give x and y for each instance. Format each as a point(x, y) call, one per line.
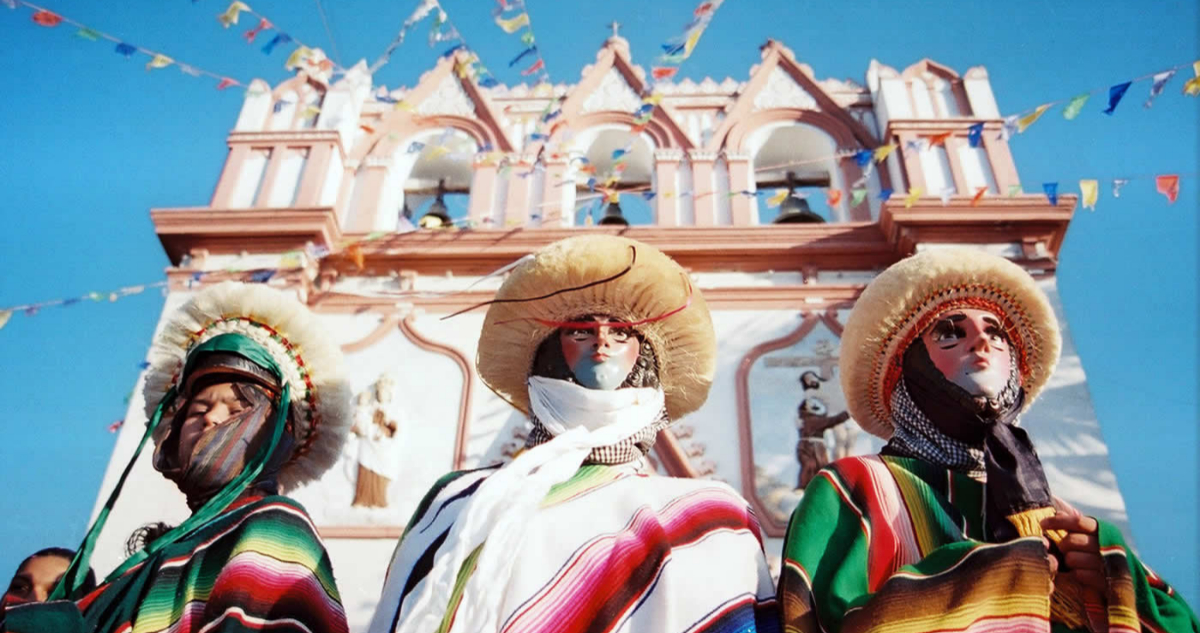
point(812, 421)
point(379, 453)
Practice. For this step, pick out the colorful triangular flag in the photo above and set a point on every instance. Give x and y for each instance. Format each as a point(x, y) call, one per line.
point(857, 196)
point(230, 16)
point(1051, 190)
point(882, 152)
point(1090, 190)
point(975, 134)
point(913, 195)
point(512, 25)
point(1075, 105)
point(1114, 96)
point(1029, 119)
point(979, 191)
point(1157, 85)
point(159, 61)
point(46, 18)
point(1117, 183)
point(1192, 86)
point(1168, 185)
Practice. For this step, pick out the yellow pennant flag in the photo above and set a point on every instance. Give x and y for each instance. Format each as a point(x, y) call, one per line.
point(297, 57)
point(1024, 122)
point(437, 151)
point(230, 16)
point(912, 196)
point(882, 152)
point(310, 111)
point(690, 44)
point(404, 105)
point(1090, 189)
point(653, 99)
point(778, 198)
point(5, 315)
point(1192, 87)
point(511, 26)
point(159, 61)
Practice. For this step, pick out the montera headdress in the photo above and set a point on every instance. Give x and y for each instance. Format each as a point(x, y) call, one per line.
point(904, 300)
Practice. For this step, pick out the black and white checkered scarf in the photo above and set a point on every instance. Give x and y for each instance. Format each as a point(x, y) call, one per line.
point(627, 450)
point(916, 436)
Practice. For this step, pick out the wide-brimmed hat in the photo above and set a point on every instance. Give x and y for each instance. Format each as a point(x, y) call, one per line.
point(903, 301)
point(580, 276)
point(309, 361)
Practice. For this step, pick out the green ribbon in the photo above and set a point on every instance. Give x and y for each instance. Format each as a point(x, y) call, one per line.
point(125, 603)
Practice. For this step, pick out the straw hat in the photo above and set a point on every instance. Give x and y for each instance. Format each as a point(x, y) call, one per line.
point(654, 286)
point(309, 359)
point(903, 301)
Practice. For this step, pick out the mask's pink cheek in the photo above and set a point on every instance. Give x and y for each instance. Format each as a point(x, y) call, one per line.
point(574, 350)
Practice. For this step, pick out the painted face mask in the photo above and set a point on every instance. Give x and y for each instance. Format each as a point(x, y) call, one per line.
point(600, 357)
point(971, 350)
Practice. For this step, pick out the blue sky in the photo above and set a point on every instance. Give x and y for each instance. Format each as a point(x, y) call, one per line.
point(93, 141)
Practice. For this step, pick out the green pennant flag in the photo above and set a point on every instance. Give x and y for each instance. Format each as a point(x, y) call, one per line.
point(1075, 105)
point(88, 34)
point(527, 38)
point(857, 196)
point(1013, 190)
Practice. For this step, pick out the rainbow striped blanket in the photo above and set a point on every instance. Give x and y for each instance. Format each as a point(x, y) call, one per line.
point(895, 545)
point(609, 550)
point(258, 566)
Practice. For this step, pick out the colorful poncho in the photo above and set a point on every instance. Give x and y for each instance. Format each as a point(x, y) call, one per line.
point(258, 566)
point(609, 550)
point(890, 544)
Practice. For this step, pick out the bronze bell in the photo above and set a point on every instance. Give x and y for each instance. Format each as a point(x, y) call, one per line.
point(613, 216)
point(794, 209)
point(438, 215)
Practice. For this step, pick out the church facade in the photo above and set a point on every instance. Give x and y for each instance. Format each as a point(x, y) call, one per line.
point(389, 210)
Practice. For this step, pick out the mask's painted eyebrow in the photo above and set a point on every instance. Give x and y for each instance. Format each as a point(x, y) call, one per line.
point(990, 320)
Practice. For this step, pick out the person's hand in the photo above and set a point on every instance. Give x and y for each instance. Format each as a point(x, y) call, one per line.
point(1081, 549)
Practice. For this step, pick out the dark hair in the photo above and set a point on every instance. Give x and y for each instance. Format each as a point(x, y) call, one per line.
point(89, 581)
point(549, 362)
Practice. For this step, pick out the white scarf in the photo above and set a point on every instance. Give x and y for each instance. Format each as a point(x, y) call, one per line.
point(581, 419)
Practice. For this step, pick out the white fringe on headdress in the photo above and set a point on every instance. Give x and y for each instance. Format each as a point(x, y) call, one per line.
point(205, 316)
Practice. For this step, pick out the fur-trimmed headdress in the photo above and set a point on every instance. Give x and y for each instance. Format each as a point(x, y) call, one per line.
point(309, 360)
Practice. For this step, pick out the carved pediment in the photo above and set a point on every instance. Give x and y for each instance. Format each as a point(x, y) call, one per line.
point(782, 91)
point(613, 94)
point(448, 98)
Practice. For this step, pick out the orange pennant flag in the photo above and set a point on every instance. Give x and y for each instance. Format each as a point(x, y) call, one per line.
point(978, 195)
point(1168, 185)
point(939, 139)
point(833, 197)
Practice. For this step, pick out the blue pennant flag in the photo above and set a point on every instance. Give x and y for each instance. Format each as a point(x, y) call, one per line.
point(525, 53)
point(648, 195)
point(488, 82)
point(125, 49)
point(280, 38)
point(975, 134)
point(453, 49)
point(1114, 96)
point(864, 157)
point(261, 276)
point(885, 193)
point(1051, 189)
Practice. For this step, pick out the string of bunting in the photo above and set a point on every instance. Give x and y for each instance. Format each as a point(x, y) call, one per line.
point(441, 30)
point(229, 17)
point(512, 16)
point(1021, 121)
point(49, 19)
point(675, 51)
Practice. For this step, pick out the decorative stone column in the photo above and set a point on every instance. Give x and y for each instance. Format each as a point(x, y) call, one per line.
point(229, 176)
point(740, 179)
point(312, 181)
point(483, 193)
point(552, 191)
point(365, 218)
point(703, 186)
point(666, 166)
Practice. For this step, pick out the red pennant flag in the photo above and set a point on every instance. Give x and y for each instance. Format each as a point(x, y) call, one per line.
point(45, 18)
point(978, 194)
point(263, 25)
point(538, 65)
point(834, 197)
point(368, 129)
point(225, 83)
point(638, 129)
point(939, 139)
point(1168, 186)
point(663, 72)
